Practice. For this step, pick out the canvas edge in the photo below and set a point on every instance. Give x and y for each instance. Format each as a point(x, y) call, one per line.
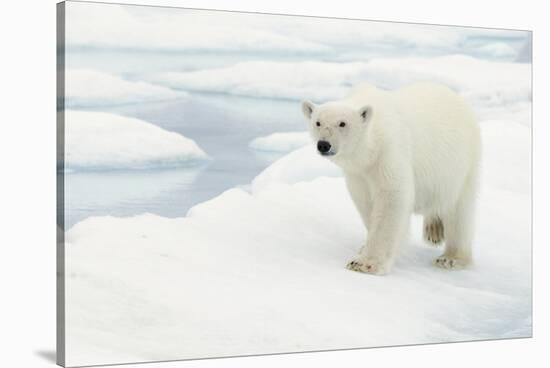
point(60, 184)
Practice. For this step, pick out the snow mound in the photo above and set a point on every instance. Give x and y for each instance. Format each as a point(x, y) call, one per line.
point(504, 86)
point(304, 164)
point(269, 79)
point(98, 140)
point(86, 87)
point(264, 272)
point(281, 142)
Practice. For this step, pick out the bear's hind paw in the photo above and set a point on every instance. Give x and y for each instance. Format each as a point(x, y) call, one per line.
point(434, 231)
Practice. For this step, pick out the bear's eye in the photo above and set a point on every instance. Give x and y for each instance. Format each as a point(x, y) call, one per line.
point(342, 124)
point(318, 123)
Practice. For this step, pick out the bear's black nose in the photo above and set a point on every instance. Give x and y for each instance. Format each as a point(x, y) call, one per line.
point(323, 146)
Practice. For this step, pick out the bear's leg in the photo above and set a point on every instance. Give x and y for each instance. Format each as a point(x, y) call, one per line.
point(358, 190)
point(388, 228)
point(459, 227)
point(433, 230)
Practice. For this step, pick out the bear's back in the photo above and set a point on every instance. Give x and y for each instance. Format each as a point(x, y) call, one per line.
point(444, 137)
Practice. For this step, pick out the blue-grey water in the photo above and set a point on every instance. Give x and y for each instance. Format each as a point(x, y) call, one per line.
point(221, 125)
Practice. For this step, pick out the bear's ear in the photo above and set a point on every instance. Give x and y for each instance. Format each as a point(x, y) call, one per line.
point(307, 108)
point(365, 112)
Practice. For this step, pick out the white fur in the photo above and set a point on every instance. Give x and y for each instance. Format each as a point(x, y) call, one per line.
point(416, 149)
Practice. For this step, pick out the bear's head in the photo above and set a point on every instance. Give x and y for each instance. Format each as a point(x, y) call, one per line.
point(336, 128)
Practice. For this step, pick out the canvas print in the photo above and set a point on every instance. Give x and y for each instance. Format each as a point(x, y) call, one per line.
point(235, 184)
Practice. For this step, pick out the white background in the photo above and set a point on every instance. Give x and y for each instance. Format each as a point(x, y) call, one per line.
point(27, 202)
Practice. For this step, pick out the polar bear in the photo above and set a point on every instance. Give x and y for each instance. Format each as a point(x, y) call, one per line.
point(412, 150)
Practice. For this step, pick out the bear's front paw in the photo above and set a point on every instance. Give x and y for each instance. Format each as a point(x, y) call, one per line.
point(368, 265)
point(449, 262)
point(434, 232)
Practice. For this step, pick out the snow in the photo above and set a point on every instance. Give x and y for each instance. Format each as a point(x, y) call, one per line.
point(281, 142)
point(301, 165)
point(100, 141)
point(175, 29)
point(87, 87)
point(506, 145)
point(498, 49)
point(504, 89)
point(263, 271)
point(189, 30)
